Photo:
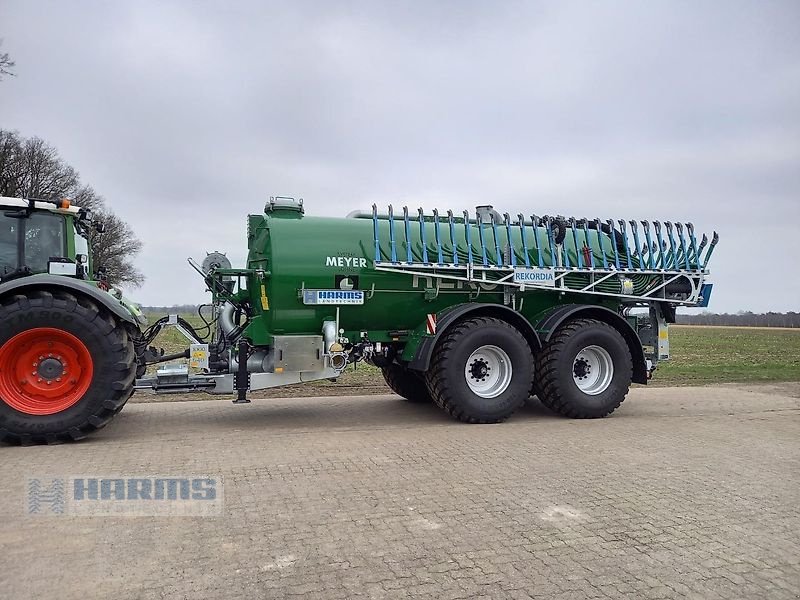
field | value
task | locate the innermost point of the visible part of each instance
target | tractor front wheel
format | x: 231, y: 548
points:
x: 66, y: 367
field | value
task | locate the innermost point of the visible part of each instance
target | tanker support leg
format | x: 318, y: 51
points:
x: 242, y: 376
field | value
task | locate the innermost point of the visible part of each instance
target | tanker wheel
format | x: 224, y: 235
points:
x: 481, y: 370
x: 66, y: 367
x: 406, y: 383
x: 585, y: 370
x: 534, y: 391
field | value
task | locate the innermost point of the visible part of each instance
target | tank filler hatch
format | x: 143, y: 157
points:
x: 284, y: 203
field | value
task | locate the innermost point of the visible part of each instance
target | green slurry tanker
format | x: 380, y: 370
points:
x: 473, y: 311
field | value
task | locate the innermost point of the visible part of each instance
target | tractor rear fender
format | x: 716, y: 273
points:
x: 45, y: 282
x: 421, y: 355
x: 552, y: 320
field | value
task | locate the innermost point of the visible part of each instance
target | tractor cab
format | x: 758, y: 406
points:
x: 42, y: 236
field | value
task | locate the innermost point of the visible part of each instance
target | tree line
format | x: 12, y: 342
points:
x: 31, y: 168
x: 743, y: 319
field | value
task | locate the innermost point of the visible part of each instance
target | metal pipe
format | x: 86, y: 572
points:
x: 679, y: 229
x: 498, y: 253
x: 650, y: 261
x: 422, y: 236
x: 614, y: 242
x: 672, y: 245
x: 703, y: 243
x: 391, y: 235
x: 375, y: 233
x: 586, y: 242
x: 551, y: 241
x: 467, y: 237
x: 657, y: 228
x: 578, y: 257
x: 624, y: 230
x: 637, y: 242
x: 480, y: 235
x: 407, y: 229
x: 600, y: 242
x: 561, y: 248
x: 521, y: 218
x: 535, y: 222
x: 693, y: 243
x: 168, y: 357
x: 227, y: 324
x: 453, y: 236
x: 512, y: 258
x: 438, y: 236
x: 711, y: 247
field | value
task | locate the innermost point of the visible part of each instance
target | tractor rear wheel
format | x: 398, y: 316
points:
x: 406, y: 383
x: 481, y: 370
x: 67, y: 367
x: 585, y: 370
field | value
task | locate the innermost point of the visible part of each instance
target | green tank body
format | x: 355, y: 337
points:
x: 299, y: 252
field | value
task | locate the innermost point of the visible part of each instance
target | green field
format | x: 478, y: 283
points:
x: 700, y: 356
x: 704, y: 355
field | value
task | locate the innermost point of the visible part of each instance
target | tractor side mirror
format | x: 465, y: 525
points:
x: 99, y: 227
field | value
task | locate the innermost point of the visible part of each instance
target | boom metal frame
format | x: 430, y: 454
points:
x: 661, y: 263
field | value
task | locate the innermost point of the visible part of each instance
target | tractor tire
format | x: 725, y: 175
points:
x: 585, y: 371
x: 481, y: 370
x: 407, y: 384
x: 67, y: 367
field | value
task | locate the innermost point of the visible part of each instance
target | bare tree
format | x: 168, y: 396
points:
x: 113, y: 248
x: 30, y: 168
x: 6, y: 64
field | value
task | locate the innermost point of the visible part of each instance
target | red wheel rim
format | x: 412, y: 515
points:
x: 44, y: 371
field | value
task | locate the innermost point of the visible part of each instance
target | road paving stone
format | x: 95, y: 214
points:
x: 683, y: 493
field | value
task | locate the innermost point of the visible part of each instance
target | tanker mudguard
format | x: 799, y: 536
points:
x: 422, y: 356
x: 46, y: 281
x: 552, y: 319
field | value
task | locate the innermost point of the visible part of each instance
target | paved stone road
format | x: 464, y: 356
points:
x: 683, y: 492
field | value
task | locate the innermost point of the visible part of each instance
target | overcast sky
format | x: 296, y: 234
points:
x: 187, y: 116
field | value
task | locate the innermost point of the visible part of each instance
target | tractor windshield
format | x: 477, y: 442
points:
x: 31, y: 242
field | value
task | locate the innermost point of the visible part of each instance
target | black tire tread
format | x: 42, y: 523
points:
x: 124, y: 362
x: 406, y: 385
x: 547, y: 370
x: 440, y: 393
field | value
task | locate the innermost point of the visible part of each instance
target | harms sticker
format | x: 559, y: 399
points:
x: 538, y: 276
x: 313, y: 297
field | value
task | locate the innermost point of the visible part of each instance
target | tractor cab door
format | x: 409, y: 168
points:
x: 31, y: 241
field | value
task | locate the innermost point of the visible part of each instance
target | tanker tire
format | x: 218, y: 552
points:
x: 446, y: 378
x: 113, y: 366
x: 405, y: 383
x: 535, y: 393
x: 555, y: 385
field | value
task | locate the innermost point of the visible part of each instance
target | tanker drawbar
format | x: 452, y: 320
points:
x: 475, y: 311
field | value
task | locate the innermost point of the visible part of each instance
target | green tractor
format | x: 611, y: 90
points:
x: 474, y: 312
x: 67, y: 357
